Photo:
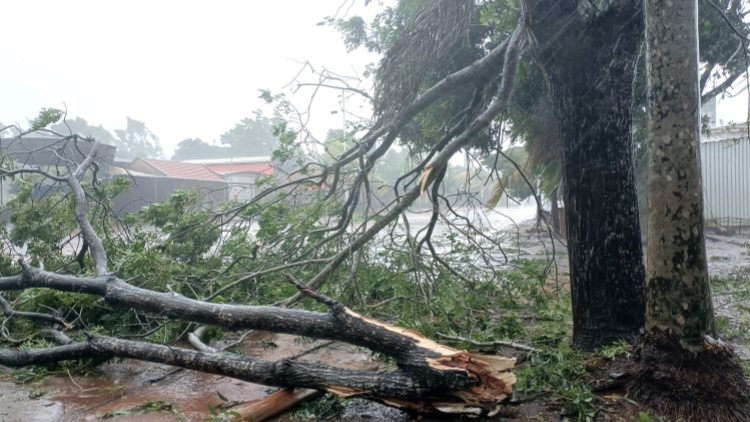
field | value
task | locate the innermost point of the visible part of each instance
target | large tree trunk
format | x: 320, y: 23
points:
x: 589, y: 63
x: 683, y: 371
x: 679, y: 293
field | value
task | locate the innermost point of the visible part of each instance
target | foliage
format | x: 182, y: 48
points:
x: 197, y: 149
x: 136, y: 140
x: 80, y: 125
x: 220, y: 413
x: 325, y: 407
x: 251, y: 137
x: 560, y: 371
x: 40, y: 224
x: 157, y: 407
x: 734, y: 293
x: 46, y: 117
x: 621, y: 348
x: 512, y: 182
x: 188, y: 229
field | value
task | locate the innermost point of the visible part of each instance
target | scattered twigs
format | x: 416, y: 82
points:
x: 496, y: 343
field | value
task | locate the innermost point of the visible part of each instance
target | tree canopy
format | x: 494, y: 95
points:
x: 136, y: 140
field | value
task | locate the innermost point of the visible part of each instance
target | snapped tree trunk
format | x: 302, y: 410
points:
x: 589, y: 63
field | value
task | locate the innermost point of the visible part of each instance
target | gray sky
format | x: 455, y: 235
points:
x: 185, y: 68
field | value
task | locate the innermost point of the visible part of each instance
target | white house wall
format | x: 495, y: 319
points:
x: 241, y: 186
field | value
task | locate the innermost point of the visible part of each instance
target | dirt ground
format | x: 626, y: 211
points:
x: 136, y: 391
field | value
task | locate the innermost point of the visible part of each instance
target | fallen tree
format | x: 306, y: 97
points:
x: 428, y: 377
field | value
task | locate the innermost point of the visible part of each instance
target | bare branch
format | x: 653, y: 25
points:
x: 489, y: 343
x: 332, y: 304
x: 81, y: 213
x: 721, y: 87
x: 10, y: 313
x: 513, y: 53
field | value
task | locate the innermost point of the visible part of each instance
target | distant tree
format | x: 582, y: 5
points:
x: 7, y: 131
x: 81, y: 126
x: 138, y: 141
x: 394, y: 164
x: 135, y: 141
x: 251, y: 137
x: 512, y: 181
x: 195, y: 148
x: 337, y: 143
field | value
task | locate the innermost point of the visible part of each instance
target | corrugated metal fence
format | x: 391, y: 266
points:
x: 726, y: 182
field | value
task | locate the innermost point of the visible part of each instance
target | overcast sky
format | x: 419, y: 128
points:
x: 188, y: 69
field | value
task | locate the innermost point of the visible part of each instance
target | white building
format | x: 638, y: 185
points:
x: 725, y: 167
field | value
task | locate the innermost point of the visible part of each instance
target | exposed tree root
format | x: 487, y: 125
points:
x: 707, y: 385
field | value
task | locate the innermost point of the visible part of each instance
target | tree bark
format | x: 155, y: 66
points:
x: 589, y: 62
x: 679, y: 293
x: 682, y: 370
x: 555, y: 209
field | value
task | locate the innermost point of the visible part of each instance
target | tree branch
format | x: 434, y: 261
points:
x: 9, y: 313
x: 512, y: 55
x: 81, y: 213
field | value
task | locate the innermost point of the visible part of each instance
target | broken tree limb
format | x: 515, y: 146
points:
x: 429, y: 377
x: 273, y: 405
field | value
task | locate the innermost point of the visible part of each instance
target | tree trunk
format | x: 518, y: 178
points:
x: 679, y: 293
x: 555, y: 209
x: 589, y: 63
x: 682, y: 370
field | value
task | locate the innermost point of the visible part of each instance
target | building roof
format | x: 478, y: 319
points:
x: 179, y: 170
x: 48, y: 150
x: 232, y: 160
x: 124, y: 171
x: 262, y: 168
x: 737, y: 132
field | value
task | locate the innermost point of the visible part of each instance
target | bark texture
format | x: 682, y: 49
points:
x: 682, y: 371
x: 679, y: 295
x: 589, y: 60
